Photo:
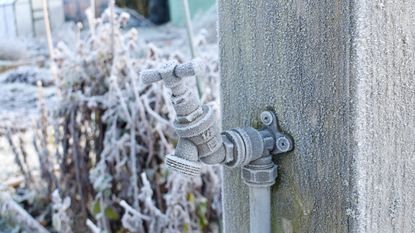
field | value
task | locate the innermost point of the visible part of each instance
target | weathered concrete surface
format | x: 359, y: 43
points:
x: 340, y: 76
x: 385, y: 115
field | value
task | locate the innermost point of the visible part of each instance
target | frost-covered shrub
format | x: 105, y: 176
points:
x: 111, y: 128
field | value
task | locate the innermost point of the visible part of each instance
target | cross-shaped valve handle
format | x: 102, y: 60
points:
x: 170, y: 72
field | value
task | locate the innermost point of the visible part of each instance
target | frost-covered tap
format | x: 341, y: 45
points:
x: 200, y: 138
x: 199, y: 134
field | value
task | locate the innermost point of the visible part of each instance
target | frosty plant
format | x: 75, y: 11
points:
x: 115, y: 128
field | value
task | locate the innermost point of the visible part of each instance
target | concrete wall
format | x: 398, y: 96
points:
x: 340, y: 76
x: 384, y: 66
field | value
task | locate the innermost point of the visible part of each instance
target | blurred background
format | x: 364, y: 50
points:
x: 82, y: 140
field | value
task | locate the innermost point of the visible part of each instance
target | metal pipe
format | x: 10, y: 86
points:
x: 260, y: 209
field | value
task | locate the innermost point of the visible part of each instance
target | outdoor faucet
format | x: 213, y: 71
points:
x: 201, y: 140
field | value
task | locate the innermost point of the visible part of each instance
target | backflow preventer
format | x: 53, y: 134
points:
x: 201, y: 142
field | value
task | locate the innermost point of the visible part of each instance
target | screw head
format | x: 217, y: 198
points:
x: 283, y: 144
x: 266, y: 118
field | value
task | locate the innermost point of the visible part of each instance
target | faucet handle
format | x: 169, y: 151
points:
x: 150, y: 76
x: 172, y: 70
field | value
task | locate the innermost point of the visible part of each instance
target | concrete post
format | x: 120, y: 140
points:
x: 340, y: 76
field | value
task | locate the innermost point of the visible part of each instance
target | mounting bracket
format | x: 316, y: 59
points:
x: 263, y: 171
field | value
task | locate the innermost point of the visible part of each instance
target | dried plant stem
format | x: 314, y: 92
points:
x: 17, y: 158
x: 189, y: 28
x: 46, y: 165
x: 93, y: 5
x: 111, y: 6
x: 190, y: 37
x: 130, y: 209
x: 154, y: 114
x: 122, y: 102
x: 76, y: 158
x: 10, y: 209
x: 133, y: 159
x: 57, y: 135
x: 47, y: 27
x: 24, y: 155
x: 92, y: 226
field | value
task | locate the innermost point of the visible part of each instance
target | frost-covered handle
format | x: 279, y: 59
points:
x: 150, y: 76
x: 179, y: 71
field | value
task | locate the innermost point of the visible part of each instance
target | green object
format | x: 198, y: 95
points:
x: 111, y: 214
x: 196, y: 6
x: 96, y: 208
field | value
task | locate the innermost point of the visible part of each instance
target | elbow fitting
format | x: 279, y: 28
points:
x: 247, y: 146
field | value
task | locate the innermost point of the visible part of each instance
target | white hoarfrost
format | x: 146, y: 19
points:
x: 105, y: 122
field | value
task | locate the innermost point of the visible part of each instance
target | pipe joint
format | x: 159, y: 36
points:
x: 262, y: 175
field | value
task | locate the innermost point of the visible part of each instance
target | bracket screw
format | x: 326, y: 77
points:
x: 283, y: 144
x: 266, y: 118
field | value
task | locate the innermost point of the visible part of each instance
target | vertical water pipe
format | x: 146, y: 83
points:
x: 260, y: 209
